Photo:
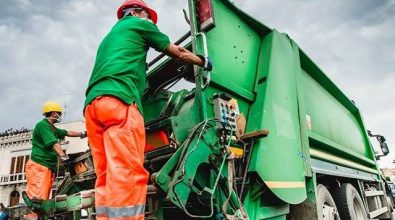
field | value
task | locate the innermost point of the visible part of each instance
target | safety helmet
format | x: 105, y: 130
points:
x: 52, y: 106
x: 140, y: 3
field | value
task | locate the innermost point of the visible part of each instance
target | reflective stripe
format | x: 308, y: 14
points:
x: 117, y: 212
x: 100, y: 211
x: 342, y: 161
x: 277, y: 184
x: 128, y: 211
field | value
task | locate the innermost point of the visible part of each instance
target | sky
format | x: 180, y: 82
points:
x: 47, y: 51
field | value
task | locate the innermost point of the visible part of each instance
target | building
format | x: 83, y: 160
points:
x: 15, y: 149
x: 389, y: 173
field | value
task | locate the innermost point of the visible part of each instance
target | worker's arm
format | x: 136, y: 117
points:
x: 183, y: 55
x: 58, y: 149
x: 76, y: 134
x: 187, y: 57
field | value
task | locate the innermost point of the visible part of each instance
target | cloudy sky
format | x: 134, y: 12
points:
x: 47, y: 50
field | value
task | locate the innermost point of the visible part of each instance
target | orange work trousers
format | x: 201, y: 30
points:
x: 116, y: 136
x: 39, y: 180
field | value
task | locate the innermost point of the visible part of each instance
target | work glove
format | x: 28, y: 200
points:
x: 66, y: 163
x: 83, y: 134
x: 65, y: 157
x: 207, y: 65
x: 66, y: 160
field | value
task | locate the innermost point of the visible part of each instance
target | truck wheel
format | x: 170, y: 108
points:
x: 350, y: 203
x: 390, y: 203
x: 326, y: 205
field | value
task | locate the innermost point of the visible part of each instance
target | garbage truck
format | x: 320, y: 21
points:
x: 264, y: 135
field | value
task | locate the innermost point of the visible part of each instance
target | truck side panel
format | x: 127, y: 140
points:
x: 333, y: 122
x: 276, y: 109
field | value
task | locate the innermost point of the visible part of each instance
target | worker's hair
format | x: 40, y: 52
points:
x: 48, y: 114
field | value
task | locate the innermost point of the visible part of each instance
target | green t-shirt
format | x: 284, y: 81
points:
x: 45, y: 135
x: 120, y: 66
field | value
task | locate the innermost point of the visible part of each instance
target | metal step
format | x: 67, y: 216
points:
x: 378, y: 212
x: 370, y: 193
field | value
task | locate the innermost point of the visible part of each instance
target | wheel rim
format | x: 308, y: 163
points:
x: 358, y: 210
x: 329, y: 212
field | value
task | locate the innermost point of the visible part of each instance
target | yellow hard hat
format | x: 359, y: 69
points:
x: 52, y: 106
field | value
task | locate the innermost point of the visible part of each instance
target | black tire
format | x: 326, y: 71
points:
x: 349, y: 203
x: 390, y: 203
x: 324, y: 198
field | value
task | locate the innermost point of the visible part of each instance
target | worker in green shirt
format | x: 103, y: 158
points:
x: 113, y: 109
x: 41, y: 167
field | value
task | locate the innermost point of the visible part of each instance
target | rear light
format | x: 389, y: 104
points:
x: 155, y: 140
x: 205, y: 14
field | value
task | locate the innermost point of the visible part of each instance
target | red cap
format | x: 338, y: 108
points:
x: 140, y: 3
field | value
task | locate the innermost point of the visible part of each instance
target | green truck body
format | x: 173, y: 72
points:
x: 315, y: 132
x: 265, y: 135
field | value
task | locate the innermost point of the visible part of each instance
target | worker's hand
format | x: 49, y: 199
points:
x: 83, y: 134
x: 207, y: 65
x: 65, y: 157
x: 66, y: 163
x: 66, y: 160
x: 182, y: 49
